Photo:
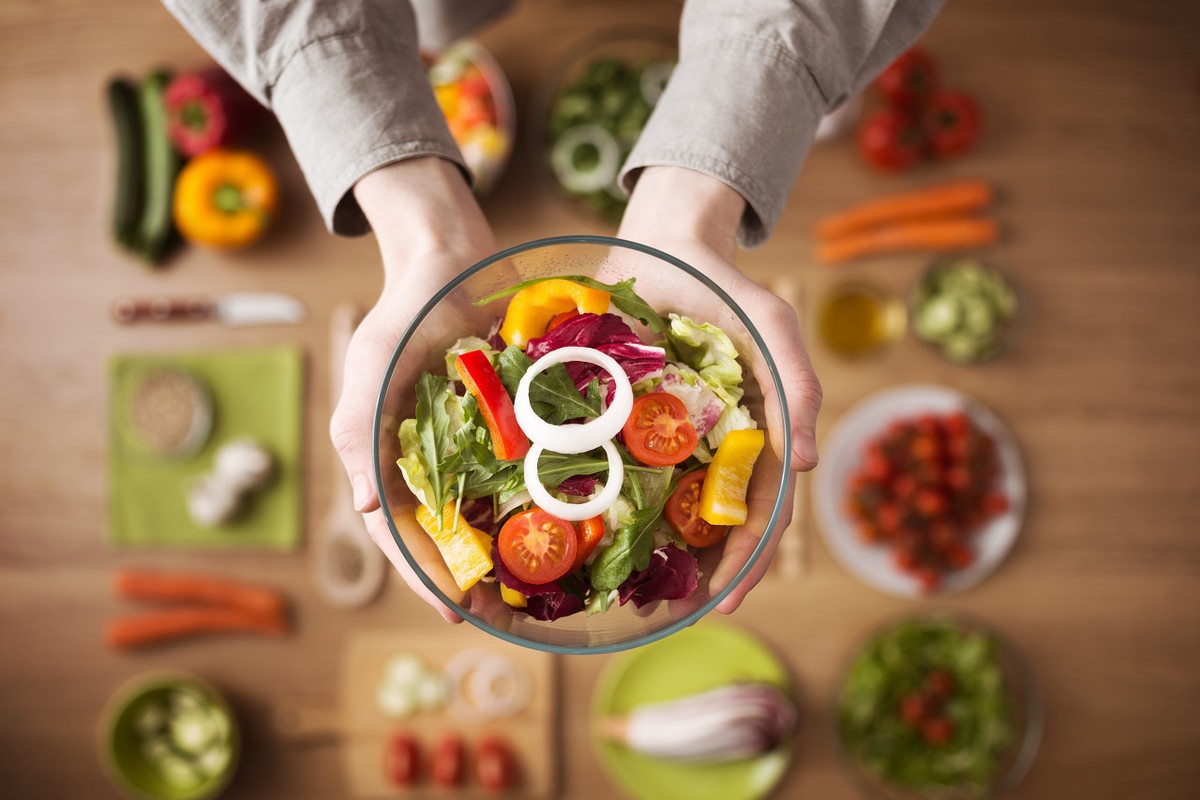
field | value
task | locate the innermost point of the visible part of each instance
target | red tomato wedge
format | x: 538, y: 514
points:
x: 658, y: 431
x: 508, y: 440
x: 683, y: 513
x: 537, y: 546
x: 590, y: 532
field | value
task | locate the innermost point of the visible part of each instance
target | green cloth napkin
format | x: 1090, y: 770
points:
x: 255, y: 393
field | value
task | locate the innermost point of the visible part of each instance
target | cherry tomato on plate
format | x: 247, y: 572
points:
x: 402, y: 760
x: 683, y: 512
x: 590, y: 532
x: 914, y: 75
x: 952, y: 123
x: 446, y: 761
x: 891, y: 139
x: 658, y: 431
x: 495, y: 764
x: 537, y: 546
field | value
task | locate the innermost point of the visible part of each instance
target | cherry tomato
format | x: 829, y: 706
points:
x: 890, y: 139
x: 658, y: 431
x: 951, y: 122
x: 537, y: 546
x: 683, y: 513
x: 911, y: 77
x: 912, y: 709
x: 402, y: 760
x: 939, y: 683
x: 589, y: 533
x: 446, y: 763
x: 495, y: 764
x: 937, y: 730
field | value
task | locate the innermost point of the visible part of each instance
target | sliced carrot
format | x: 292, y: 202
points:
x: 137, y: 584
x: 942, y: 200
x: 935, y: 235
x: 158, y: 627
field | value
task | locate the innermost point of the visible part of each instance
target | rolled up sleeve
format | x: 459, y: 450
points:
x: 345, y: 80
x: 753, y: 81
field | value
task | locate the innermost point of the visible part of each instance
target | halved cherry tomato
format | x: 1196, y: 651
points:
x: 658, y: 431
x: 508, y: 440
x: 537, y: 546
x: 446, y: 763
x: 590, y: 532
x: 683, y: 513
x: 495, y: 764
x: 401, y: 760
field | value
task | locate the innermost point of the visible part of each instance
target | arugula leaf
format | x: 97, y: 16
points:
x: 621, y: 294
x: 552, y: 394
x: 433, y: 424
x: 630, y: 551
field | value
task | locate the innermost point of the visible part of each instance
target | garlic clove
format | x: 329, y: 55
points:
x: 244, y: 462
x: 213, y: 500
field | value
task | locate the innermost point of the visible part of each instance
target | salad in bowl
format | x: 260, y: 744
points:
x: 562, y: 447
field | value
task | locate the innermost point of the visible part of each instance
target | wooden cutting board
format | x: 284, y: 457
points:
x: 531, y: 733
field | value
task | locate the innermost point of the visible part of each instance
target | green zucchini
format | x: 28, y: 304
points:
x: 128, y: 193
x: 160, y: 165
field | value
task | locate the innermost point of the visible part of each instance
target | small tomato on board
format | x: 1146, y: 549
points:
x: 683, y: 513
x: 658, y: 431
x: 402, y: 760
x: 952, y: 123
x: 495, y: 764
x: 446, y: 764
x: 537, y: 546
x: 891, y: 139
x: 914, y: 75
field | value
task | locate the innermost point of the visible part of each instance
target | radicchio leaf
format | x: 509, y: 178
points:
x: 607, y: 333
x: 671, y: 575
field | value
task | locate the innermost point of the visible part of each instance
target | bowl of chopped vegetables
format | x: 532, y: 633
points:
x: 169, y: 736
x: 963, y: 309
x: 579, y: 443
x: 938, y: 706
x: 592, y: 108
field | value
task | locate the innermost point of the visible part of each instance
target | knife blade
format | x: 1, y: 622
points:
x: 235, y: 308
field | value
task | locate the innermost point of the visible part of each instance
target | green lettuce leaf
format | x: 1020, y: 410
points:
x: 706, y: 349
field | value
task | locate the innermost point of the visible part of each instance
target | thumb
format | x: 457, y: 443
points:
x: 350, y: 431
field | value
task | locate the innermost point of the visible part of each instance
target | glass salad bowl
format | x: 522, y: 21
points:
x: 613, y: 600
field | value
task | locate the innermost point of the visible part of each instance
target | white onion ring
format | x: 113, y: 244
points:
x: 574, y: 512
x: 575, y: 437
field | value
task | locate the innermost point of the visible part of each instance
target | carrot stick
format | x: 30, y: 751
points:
x: 156, y: 627
x: 946, y: 199
x: 936, y: 235
x: 136, y: 584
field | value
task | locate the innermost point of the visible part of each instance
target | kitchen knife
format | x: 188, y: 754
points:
x: 237, y: 308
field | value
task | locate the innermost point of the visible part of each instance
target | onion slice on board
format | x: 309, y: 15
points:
x: 574, y: 512
x: 574, y: 437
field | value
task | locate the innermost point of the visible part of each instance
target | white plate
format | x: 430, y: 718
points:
x: 842, y: 454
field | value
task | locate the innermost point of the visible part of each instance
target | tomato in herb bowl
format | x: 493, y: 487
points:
x: 538, y: 547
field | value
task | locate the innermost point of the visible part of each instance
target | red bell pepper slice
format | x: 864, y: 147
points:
x: 508, y: 440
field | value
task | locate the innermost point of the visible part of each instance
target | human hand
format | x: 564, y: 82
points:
x: 695, y: 218
x: 429, y: 229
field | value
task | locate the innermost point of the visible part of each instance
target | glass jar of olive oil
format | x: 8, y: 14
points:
x: 857, y: 319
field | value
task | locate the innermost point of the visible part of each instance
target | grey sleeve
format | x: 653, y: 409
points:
x: 754, y: 79
x: 344, y: 78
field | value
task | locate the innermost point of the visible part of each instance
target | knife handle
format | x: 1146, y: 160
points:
x: 161, y: 309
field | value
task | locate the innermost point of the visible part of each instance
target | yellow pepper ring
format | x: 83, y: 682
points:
x: 225, y: 198
x: 532, y: 308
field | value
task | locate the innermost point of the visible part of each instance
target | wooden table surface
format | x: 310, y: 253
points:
x: 1093, y: 136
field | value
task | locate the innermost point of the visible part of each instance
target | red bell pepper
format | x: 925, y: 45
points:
x: 508, y: 440
x: 208, y: 109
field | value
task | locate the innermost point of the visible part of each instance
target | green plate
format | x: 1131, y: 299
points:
x: 253, y: 392
x: 696, y: 659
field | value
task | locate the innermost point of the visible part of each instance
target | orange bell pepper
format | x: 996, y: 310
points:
x: 531, y: 309
x: 225, y: 198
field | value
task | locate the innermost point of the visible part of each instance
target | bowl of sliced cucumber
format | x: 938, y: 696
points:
x: 963, y: 309
x: 169, y: 736
x: 592, y: 108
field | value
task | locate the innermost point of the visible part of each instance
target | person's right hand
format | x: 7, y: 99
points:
x: 429, y: 229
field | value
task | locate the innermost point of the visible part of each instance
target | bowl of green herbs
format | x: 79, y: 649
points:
x: 938, y: 707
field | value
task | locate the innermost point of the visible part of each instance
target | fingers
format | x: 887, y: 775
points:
x: 381, y: 534
x: 780, y: 329
x: 740, y: 544
x: 350, y: 427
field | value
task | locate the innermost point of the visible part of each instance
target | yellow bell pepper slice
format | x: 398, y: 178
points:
x: 513, y: 597
x: 723, y: 495
x: 467, y: 551
x: 531, y: 309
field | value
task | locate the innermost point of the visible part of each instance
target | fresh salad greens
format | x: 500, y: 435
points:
x: 641, y: 546
x: 925, y: 706
x: 594, y: 122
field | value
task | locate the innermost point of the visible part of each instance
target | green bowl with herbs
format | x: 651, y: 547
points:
x: 963, y: 309
x: 937, y: 707
x: 568, y: 523
x: 169, y: 736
